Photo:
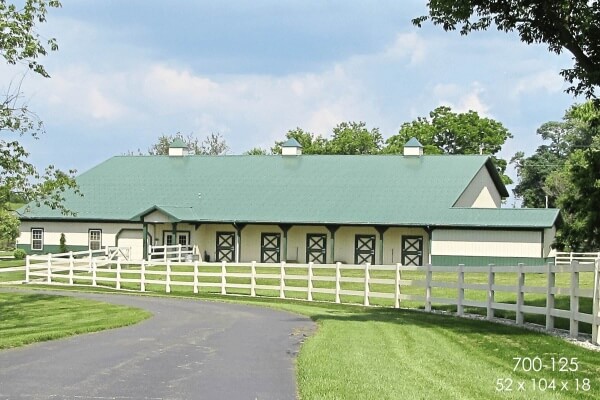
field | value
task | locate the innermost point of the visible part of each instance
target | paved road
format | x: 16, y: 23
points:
x: 190, y: 349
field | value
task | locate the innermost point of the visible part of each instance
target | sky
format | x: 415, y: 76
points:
x: 129, y: 71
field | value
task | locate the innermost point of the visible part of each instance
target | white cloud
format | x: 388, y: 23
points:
x: 462, y: 99
x: 546, y: 80
x: 409, y: 45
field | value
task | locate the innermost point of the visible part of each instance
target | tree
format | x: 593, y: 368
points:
x: 256, y: 151
x: 566, y: 168
x: 311, y: 144
x: 354, y: 138
x: 213, y: 145
x: 580, y: 199
x: 21, y: 44
x: 570, y: 25
x: 447, y: 132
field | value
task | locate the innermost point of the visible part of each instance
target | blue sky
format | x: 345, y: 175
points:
x: 128, y: 71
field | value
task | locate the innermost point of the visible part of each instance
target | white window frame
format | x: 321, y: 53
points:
x: 40, y: 239
x: 176, y: 238
x: 99, y: 240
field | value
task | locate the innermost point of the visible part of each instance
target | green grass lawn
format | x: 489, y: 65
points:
x: 11, y: 276
x: 29, y: 318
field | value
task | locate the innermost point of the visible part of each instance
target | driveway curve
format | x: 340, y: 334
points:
x: 189, y: 349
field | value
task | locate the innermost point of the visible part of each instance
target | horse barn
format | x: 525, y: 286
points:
x: 412, y: 209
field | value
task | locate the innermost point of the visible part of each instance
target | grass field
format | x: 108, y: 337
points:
x: 28, y: 318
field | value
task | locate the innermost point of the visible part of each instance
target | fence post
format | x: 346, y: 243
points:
x: 143, y: 276
x: 165, y: 253
x: 196, y: 277
x: 367, y: 279
x: 253, y: 279
x: 573, y: 321
x: 520, y: 296
x: 118, y: 285
x: 596, y: 304
x: 282, y: 281
x: 223, y: 278
x: 338, y: 277
x: 551, y: 282
x: 310, y: 284
x: 168, y: 281
x: 49, y: 277
x: 71, y: 266
x: 27, y: 269
x: 397, y: 288
x: 491, y: 294
x: 179, y: 252
x: 94, y: 277
x: 90, y: 266
x: 428, y: 277
x: 460, y: 309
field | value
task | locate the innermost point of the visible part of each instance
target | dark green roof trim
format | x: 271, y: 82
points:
x: 496, y: 178
x: 291, y: 142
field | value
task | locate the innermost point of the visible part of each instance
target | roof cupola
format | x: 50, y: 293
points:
x: 291, y: 147
x: 178, y: 148
x: 413, y: 148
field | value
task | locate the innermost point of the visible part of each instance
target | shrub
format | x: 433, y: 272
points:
x: 19, y: 254
x: 62, y: 248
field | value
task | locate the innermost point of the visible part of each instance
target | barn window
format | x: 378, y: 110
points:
x: 95, y: 239
x: 37, y: 239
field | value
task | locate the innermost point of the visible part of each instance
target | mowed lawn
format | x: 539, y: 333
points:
x: 29, y: 318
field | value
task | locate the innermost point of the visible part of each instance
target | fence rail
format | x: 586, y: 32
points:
x: 364, y: 284
x: 175, y: 252
x: 582, y: 258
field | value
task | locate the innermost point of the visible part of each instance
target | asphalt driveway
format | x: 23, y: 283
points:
x: 190, y: 349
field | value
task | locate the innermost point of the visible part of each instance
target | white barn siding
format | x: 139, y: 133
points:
x: 76, y: 233
x: 481, y: 192
x: 487, y: 243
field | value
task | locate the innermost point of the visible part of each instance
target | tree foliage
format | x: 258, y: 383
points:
x: 566, y: 168
x: 571, y: 25
x: 21, y: 44
x: 447, y: 132
x: 212, y: 145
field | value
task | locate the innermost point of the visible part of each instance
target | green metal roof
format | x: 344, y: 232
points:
x: 413, y: 142
x: 327, y: 189
x: 178, y: 144
x: 291, y: 142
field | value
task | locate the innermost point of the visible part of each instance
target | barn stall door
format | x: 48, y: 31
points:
x: 316, y: 248
x: 225, y: 246
x: 270, y: 244
x: 412, y: 250
x: 364, y: 249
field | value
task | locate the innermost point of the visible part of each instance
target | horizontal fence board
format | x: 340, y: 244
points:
x: 504, y: 306
x: 382, y: 281
x: 474, y: 303
x: 444, y: 300
x: 442, y: 284
x: 475, y: 286
x: 504, y: 288
x: 534, y: 289
x: 350, y: 292
x: 555, y: 312
x: 533, y: 310
x: 381, y: 295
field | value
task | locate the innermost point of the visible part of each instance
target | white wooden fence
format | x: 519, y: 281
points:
x: 582, y: 258
x: 176, y: 252
x: 345, y: 283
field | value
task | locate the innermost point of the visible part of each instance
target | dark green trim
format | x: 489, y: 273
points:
x: 144, y: 241
x: 50, y: 248
x: 479, y: 261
